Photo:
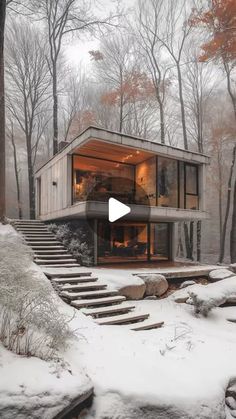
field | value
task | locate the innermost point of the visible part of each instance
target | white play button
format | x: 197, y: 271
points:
x: 117, y: 210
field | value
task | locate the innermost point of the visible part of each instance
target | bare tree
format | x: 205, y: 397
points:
x: 16, y: 169
x: 27, y: 94
x: 63, y: 18
x: 146, y: 34
x: 172, y: 30
x: 2, y: 112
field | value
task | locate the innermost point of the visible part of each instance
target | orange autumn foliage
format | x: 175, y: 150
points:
x: 136, y: 86
x: 220, y: 20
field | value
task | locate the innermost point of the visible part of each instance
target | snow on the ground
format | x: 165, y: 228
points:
x: 32, y: 388
x: 178, y: 371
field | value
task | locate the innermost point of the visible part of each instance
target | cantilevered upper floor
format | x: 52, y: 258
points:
x: 99, y: 164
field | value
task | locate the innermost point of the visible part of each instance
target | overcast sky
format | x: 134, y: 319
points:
x: 77, y: 52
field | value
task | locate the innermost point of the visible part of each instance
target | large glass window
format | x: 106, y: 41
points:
x: 146, y: 178
x: 121, y: 242
x: 191, y: 187
x: 167, y: 182
x: 100, y: 179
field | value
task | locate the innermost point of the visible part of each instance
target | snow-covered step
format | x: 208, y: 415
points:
x: 48, y: 252
x: 88, y: 294
x: 148, y: 325
x: 39, y: 236
x: 53, y: 261
x: 122, y: 319
x: 77, y: 280
x: 98, y: 301
x: 54, y: 256
x: 88, y: 286
x: 32, y: 230
x: 66, y: 265
x: 27, y: 222
x: 43, y: 242
x: 68, y: 275
x: 48, y: 247
x: 102, y: 311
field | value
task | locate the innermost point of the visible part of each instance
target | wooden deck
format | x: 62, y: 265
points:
x: 171, y: 270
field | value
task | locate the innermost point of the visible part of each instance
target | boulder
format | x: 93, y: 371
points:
x: 151, y: 297
x: 133, y: 292
x: 233, y: 267
x: 187, y: 284
x: 219, y: 274
x: 156, y: 284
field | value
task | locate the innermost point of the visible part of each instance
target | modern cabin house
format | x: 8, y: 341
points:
x: 161, y: 184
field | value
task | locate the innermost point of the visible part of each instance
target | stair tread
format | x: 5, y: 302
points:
x: 54, y: 256
x: 43, y: 242
x: 61, y: 281
x: 122, y: 318
x: 88, y: 285
x: 39, y: 247
x: 52, y: 260
x: 68, y: 275
x: 148, y: 325
x: 97, y: 301
x: 107, y: 310
x: 87, y: 294
x: 60, y: 266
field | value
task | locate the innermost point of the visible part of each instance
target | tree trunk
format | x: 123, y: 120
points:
x: 180, y: 251
x: 181, y: 99
x: 187, y: 242
x: 233, y: 230
x: 19, y: 204
x: 233, y: 226
x: 162, y: 118
x: 2, y: 113
x: 191, y: 235
x: 222, y: 245
x: 30, y: 180
x: 199, y: 238
x: 55, y: 108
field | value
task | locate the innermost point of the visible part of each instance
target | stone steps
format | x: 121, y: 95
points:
x: 53, y: 261
x: 88, y: 286
x: 103, y: 311
x: 122, y: 319
x: 66, y: 265
x: 94, y: 302
x: 73, y: 281
x: 67, y: 275
x: 55, y: 256
x: 78, y: 287
x: 88, y: 294
x: 148, y: 325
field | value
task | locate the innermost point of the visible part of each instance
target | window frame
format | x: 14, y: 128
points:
x: 186, y: 194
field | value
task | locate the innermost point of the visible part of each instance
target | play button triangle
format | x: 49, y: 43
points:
x: 117, y: 210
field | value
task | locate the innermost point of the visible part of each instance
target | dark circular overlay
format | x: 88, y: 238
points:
x: 100, y: 190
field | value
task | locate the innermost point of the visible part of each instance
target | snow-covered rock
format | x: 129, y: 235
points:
x: 156, y: 284
x: 187, y: 284
x: 233, y: 267
x: 219, y: 274
x: 207, y: 297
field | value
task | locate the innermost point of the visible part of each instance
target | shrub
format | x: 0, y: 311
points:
x: 75, y: 236
x: 30, y: 322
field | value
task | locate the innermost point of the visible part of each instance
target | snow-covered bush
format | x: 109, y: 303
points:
x: 206, y: 297
x: 30, y: 322
x: 76, y: 238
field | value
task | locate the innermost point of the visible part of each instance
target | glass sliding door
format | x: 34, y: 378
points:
x: 133, y: 242
x: 159, y: 241
x: 122, y: 242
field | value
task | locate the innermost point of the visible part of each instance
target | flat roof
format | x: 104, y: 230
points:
x: 95, y: 134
